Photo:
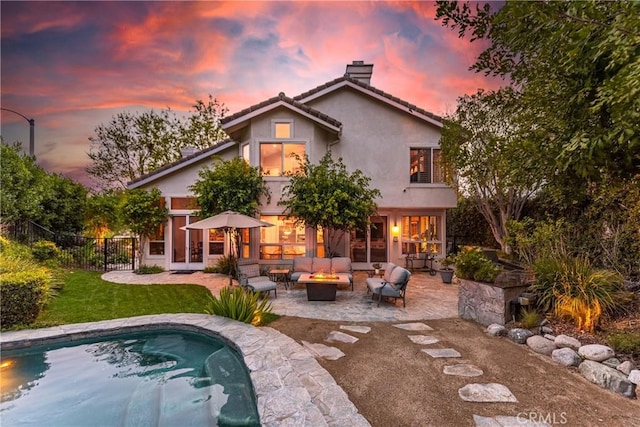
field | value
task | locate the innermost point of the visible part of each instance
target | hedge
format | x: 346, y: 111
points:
x: 23, y: 294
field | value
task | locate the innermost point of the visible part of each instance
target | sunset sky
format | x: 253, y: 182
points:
x: 71, y: 66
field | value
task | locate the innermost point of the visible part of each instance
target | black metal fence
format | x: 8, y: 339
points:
x: 87, y: 253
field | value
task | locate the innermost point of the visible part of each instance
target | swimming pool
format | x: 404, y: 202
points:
x: 160, y: 377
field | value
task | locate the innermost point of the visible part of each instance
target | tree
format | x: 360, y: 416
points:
x: 577, y: 64
x: 103, y: 213
x: 487, y: 144
x: 21, y: 184
x: 202, y: 129
x: 328, y: 196
x: 132, y: 145
x: 229, y: 185
x: 143, y: 213
x: 28, y: 192
x: 63, y: 205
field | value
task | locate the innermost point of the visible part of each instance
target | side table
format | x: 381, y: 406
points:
x: 280, y: 276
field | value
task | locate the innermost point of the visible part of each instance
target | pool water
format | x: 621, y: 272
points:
x: 161, y: 378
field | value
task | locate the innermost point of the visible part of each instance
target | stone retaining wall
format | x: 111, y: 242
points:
x: 488, y: 303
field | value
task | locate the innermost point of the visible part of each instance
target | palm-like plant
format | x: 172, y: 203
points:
x: 572, y: 287
x: 238, y: 304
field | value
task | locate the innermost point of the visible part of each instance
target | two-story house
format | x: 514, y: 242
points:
x: 393, y: 142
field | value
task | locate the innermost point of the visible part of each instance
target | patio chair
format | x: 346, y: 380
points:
x: 392, y: 285
x: 250, y: 278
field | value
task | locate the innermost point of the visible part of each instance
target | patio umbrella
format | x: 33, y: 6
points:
x: 229, y: 221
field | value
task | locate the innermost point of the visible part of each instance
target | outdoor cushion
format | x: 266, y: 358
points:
x: 341, y: 264
x: 387, y: 271
x: 302, y: 265
x: 321, y: 264
x: 397, y: 275
x: 252, y: 270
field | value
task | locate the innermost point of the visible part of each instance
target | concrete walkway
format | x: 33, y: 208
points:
x: 427, y: 297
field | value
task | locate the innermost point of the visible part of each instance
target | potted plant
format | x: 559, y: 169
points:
x: 376, y: 267
x: 446, y: 272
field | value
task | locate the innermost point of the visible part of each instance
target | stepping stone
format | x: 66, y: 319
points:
x: 490, y: 392
x: 335, y: 336
x: 441, y: 352
x: 463, y: 370
x: 355, y: 328
x: 522, y: 421
x: 423, y: 339
x: 485, y: 421
x: 323, y: 351
x: 414, y: 326
x: 503, y: 421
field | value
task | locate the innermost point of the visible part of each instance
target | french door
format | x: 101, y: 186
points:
x: 187, y: 245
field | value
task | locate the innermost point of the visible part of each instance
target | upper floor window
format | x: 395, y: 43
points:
x: 282, y: 130
x: 279, y: 158
x: 425, y: 166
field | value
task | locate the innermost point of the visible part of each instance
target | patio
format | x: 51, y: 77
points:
x: 427, y: 297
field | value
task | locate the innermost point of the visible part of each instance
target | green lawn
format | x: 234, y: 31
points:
x: 87, y: 298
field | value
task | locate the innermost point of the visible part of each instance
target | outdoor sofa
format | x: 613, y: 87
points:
x: 337, y: 265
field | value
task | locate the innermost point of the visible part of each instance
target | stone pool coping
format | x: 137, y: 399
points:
x: 291, y: 387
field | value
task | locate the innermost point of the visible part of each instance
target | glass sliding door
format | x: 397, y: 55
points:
x: 187, y: 245
x: 371, y: 247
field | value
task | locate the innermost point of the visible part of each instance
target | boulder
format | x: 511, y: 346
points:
x: 496, y: 330
x: 596, y: 352
x: 550, y: 337
x: 566, y: 356
x: 625, y: 367
x: 519, y: 335
x: 612, y: 363
x: 541, y: 345
x: 546, y: 330
x: 634, y: 376
x: 608, y: 378
x: 562, y: 341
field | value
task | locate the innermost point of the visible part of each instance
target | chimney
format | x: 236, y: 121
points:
x: 360, y: 71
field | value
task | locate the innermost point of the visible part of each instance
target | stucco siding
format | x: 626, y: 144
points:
x: 376, y: 139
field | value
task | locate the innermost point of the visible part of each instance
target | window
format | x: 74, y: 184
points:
x: 421, y: 234
x: 186, y: 203
x: 425, y: 166
x: 216, y: 241
x: 156, y: 242
x: 285, y: 240
x: 278, y: 158
x: 282, y: 130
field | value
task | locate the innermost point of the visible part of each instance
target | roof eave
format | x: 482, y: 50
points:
x: 240, y: 122
x: 162, y: 172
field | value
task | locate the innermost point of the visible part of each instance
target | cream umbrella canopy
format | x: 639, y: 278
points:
x: 229, y: 221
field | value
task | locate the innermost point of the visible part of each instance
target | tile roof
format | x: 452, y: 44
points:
x: 282, y: 97
x: 201, y: 153
x: 369, y: 88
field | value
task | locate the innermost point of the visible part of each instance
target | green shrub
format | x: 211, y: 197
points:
x: 240, y: 305
x: 572, y: 287
x: 210, y: 269
x: 227, y: 265
x: 23, y: 294
x: 45, y: 250
x: 148, y: 269
x: 627, y: 342
x: 529, y: 319
x: 472, y: 264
